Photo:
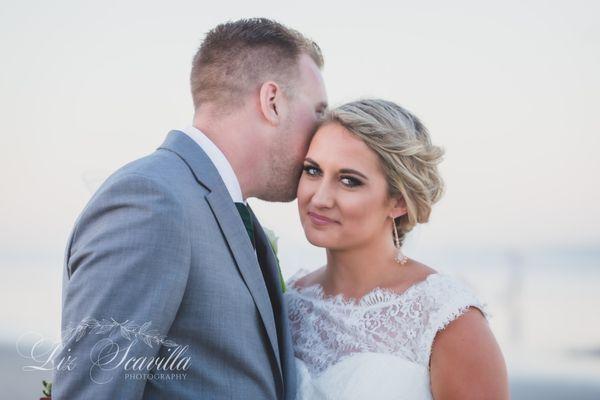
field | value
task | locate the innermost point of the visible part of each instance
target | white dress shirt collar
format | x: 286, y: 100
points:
x: 219, y: 160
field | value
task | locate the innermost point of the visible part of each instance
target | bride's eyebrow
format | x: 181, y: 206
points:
x: 310, y: 160
x: 352, y: 171
x: 342, y: 171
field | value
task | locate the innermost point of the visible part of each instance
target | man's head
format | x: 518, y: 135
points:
x: 260, y: 83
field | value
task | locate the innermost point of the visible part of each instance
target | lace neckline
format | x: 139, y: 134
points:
x: 376, y: 297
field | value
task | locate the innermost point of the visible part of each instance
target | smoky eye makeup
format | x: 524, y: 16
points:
x: 311, y: 170
x: 351, y: 181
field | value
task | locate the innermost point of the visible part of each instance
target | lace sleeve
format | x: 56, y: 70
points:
x: 451, y: 299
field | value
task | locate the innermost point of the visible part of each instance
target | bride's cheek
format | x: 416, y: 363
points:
x: 303, y: 193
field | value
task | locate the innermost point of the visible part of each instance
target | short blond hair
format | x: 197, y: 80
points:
x: 409, y: 159
x: 237, y: 56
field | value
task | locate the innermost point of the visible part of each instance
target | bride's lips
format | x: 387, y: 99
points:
x: 318, y: 219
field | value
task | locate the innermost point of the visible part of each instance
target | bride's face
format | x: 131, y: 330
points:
x: 343, y: 193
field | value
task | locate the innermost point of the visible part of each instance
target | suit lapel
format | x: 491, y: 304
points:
x: 267, y: 256
x: 231, y: 225
x: 237, y: 238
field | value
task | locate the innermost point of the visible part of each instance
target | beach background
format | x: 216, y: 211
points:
x: 508, y: 89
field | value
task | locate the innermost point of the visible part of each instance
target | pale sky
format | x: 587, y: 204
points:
x: 509, y: 89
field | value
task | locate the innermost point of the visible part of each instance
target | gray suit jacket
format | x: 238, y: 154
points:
x: 161, y: 242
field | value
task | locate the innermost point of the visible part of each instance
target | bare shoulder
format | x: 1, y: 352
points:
x: 410, y: 274
x: 419, y: 270
x: 466, y: 361
x: 311, y: 278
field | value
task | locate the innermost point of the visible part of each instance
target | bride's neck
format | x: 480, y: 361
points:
x: 356, y: 271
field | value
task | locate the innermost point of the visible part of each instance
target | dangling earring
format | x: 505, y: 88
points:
x: 400, y: 257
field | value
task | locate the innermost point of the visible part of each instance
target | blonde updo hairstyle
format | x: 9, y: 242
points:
x: 404, y: 147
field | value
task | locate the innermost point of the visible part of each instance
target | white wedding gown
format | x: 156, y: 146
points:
x: 376, y: 348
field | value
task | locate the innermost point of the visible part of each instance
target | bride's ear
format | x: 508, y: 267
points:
x: 398, y: 207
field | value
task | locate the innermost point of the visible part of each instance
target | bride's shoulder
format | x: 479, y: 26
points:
x: 462, y: 344
x: 413, y: 274
x: 446, y: 298
x: 305, y: 278
x: 443, y: 297
x: 417, y: 271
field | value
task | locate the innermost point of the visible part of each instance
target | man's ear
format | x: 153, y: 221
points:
x: 398, y: 207
x: 270, y: 102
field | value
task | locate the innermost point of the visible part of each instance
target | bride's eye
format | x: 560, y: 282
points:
x: 311, y: 170
x: 350, y: 181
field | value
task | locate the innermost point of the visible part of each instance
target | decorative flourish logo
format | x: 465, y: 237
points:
x: 128, y: 330
x: 116, y: 348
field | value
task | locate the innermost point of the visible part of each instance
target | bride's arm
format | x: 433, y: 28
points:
x: 466, y: 361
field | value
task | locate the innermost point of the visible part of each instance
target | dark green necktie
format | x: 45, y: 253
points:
x: 244, y: 211
x: 245, y: 214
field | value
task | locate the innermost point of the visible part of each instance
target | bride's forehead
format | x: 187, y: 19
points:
x: 340, y: 148
x: 335, y: 138
x: 333, y: 131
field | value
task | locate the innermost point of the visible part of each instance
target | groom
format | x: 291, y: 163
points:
x: 171, y: 289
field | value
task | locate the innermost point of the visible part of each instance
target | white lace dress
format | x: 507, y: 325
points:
x: 376, y: 348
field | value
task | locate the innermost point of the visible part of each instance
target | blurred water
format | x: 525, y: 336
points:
x: 544, y: 306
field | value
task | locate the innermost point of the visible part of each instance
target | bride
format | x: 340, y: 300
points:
x: 373, y: 323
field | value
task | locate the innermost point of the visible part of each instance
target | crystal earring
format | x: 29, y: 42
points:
x: 400, y: 257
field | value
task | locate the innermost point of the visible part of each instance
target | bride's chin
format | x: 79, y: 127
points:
x: 317, y: 243
x: 318, y: 239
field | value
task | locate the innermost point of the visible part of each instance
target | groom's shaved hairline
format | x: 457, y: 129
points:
x: 237, y: 57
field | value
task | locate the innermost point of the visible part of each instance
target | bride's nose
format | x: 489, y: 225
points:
x: 323, y: 195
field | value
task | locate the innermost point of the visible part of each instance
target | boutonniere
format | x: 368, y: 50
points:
x: 273, y: 242
x: 47, y: 391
